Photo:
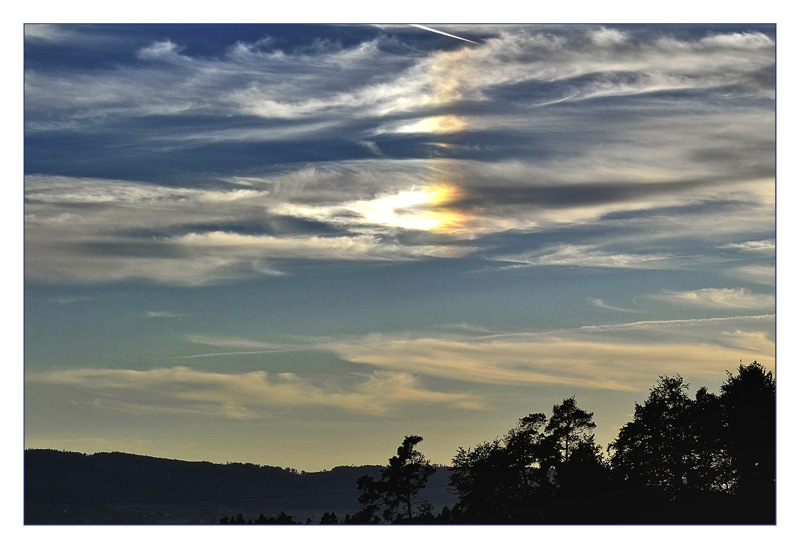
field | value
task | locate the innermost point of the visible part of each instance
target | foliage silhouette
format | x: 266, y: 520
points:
x: 710, y: 459
x: 537, y: 465
x: 328, y: 518
x: 749, y: 400
x: 400, y: 482
x: 495, y: 478
x: 282, y: 518
x: 657, y: 448
x: 568, y: 426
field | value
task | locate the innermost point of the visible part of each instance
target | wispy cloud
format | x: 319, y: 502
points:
x: 86, y: 229
x: 163, y: 314
x: 760, y: 274
x: 597, y: 302
x: 678, y: 324
x: 604, y: 63
x: 95, y: 229
x: 605, y: 37
x: 70, y: 35
x: 658, y: 169
x: 617, y: 357
x: 50, y: 33
x: 372, y: 147
x: 165, y: 49
x: 585, y: 256
x: 244, y: 396
x: 70, y: 300
x: 358, y: 248
x: 719, y: 298
x: 243, y: 346
x: 766, y: 246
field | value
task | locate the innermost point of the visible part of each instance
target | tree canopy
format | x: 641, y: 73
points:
x: 395, y: 493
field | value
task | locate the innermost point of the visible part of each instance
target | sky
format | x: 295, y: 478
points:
x: 293, y: 245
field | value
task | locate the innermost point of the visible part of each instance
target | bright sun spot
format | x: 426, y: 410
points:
x: 414, y: 209
x: 435, y: 124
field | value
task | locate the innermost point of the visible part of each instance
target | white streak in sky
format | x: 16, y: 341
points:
x: 444, y: 33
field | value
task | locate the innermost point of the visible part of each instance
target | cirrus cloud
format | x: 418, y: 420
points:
x: 719, y: 298
x: 247, y: 395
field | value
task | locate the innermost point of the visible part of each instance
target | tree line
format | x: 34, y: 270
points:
x: 707, y: 459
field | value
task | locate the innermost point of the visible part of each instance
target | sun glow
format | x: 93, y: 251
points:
x: 424, y: 209
x: 435, y: 124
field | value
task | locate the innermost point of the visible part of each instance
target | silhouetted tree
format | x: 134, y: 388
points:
x: 328, y: 518
x: 678, y: 446
x: 283, y: 518
x: 445, y: 516
x: 712, y: 470
x: 748, y: 401
x: 370, y: 498
x: 569, y: 426
x: 496, y: 479
x: 485, y: 482
x: 401, y: 481
x: 424, y: 514
x: 655, y: 449
x: 585, y: 473
x: 364, y: 516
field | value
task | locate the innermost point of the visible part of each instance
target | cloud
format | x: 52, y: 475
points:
x: 719, y: 298
x: 760, y: 274
x: 573, y: 255
x: 605, y: 37
x: 162, y: 314
x: 250, y: 347
x: 70, y: 300
x: 524, y: 145
x: 749, y: 341
x: 165, y: 50
x: 603, y: 305
x: 348, y: 248
x: 758, y: 246
x: 98, y: 229
x: 95, y: 230
x: 737, y: 41
x: 372, y: 147
x: 206, y: 258
x: 50, y: 33
x: 244, y: 395
x: 616, y: 357
x: 384, y: 76
x: 677, y: 324
x: 53, y: 263
x: 238, y: 343
x: 600, y: 67
x: 623, y: 357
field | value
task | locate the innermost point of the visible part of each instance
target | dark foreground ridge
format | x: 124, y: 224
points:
x: 710, y: 459
x: 117, y: 488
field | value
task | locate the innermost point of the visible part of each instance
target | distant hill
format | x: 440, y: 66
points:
x: 117, y: 488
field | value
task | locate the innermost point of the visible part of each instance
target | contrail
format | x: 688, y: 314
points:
x: 440, y: 32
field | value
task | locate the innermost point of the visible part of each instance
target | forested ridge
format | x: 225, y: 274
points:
x: 709, y: 458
